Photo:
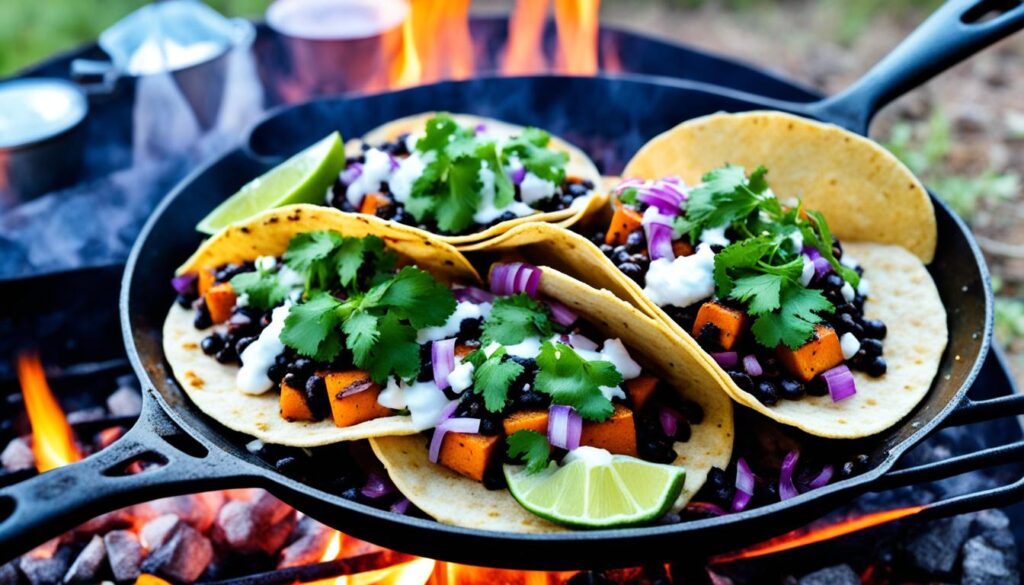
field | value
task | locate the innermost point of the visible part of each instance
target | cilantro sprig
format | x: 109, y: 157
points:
x: 515, y: 318
x: 569, y: 379
x: 531, y: 448
x: 531, y: 149
x: 262, y: 288
x: 492, y: 377
x: 327, y: 259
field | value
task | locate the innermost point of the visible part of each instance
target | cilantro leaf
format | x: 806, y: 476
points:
x: 531, y: 448
x: 824, y: 245
x: 307, y: 253
x: 492, y: 379
x: 504, y: 190
x: 396, y: 351
x: 726, y: 197
x: 742, y: 254
x: 794, y: 323
x: 361, y: 334
x: 263, y: 289
x: 440, y: 131
x: 424, y: 301
x: 569, y: 379
x: 628, y: 196
x: 312, y: 328
x: 515, y: 318
x: 531, y: 148
x: 459, y: 199
x: 762, y: 292
x: 476, y: 357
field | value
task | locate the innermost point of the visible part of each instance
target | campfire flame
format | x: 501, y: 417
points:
x: 53, y: 441
x: 524, y: 53
x: 804, y: 536
x: 577, y: 22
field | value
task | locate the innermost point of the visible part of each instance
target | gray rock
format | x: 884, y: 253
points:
x: 199, y: 510
x: 308, y: 543
x: 937, y: 549
x: 156, y: 532
x: 182, y: 558
x: 125, y: 554
x: 88, y: 563
x: 125, y: 402
x: 43, y: 569
x: 990, y: 521
x: 17, y: 455
x: 838, y: 575
x: 260, y: 525
x: 986, y: 563
x: 9, y: 574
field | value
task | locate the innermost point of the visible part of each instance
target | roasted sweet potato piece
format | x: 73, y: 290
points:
x: 624, y: 222
x: 681, y: 248
x: 467, y: 453
x: 731, y: 323
x: 617, y: 434
x: 353, y: 398
x: 814, y: 357
x: 639, y: 389
x: 527, y: 420
x: 205, y: 281
x: 220, y: 299
x: 462, y: 350
x: 372, y: 202
x: 293, y: 404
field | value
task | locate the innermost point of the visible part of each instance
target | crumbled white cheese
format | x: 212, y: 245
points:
x: 265, y: 263
x: 715, y: 236
x: 528, y: 348
x: 682, y: 281
x: 848, y: 293
x: 260, y: 355
x: 849, y: 343
x: 464, y: 310
x: 592, y: 456
x: 376, y: 170
x: 409, y: 169
x: 864, y: 287
x: 461, y: 377
x: 487, y: 211
x: 534, y: 189
x: 424, y: 401
x: 807, y: 274
x: 615, y: 352
x: 242, y: 300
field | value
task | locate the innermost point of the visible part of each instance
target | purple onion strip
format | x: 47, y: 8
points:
x: 751, y: 366
x: 442, y: 356
x: 564, y: 427
x: 786, y: 488
x: 726, y: 359
x: 454, y: 425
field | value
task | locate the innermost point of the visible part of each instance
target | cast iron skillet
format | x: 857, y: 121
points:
x: 201, y: 455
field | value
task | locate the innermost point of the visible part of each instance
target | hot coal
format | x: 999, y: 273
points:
x: 17, y: 455
x: 125, y: 554
x: 306, y: 545
x: 89, y: 563
x: 40, y: 568
x: 838, y: 575
x: 182, y: 557
x: 199, y: 510
x: 125, y: 401
x: 936, y: 549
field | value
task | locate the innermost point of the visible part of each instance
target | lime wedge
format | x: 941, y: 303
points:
x: 595, y: 489
x: 304, y: 178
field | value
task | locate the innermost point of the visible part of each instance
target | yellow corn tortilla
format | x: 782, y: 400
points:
x: 211, y: 385
x: 865, y: 192
x: 579, y: 165
x: 453, y: 499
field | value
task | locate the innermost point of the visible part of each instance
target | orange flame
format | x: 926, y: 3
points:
x: 440, y: 37
x: 408, y: 70
x: 467, y: 575
x: 803, y: 537
x: 524, y: 53
x: 53, y: 441
x: 577, y: 22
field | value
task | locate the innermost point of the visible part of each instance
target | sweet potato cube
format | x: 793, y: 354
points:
x: 617, y: 434
x: 205, y: 281
x: 468, y: 453
x: 353, y: 398
x: 293, y: 404
x: 372, y: 202
x: 220, y: 299
x: 730, y: 322
x: 527, y: 420
x: 462, y: 350
x: 681, y: 248
x: 639, y: 389
x: 624, y: 222
x: 814, y: 357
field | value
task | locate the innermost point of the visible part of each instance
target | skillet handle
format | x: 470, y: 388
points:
x: 957, y: 30
x: 40, y: 508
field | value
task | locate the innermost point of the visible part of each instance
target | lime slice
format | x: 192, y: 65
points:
x: 595, y: 489
x: 304, y: 178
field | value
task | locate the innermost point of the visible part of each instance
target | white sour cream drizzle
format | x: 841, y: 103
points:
x: 487, y: 211
x: 534, y: 189
x: 683, y: 281
x: 461, y: 377
x: 464, y: 310
x: 259, y: 356
x: 376, y: 170
x: 424, y: 401
x: 592, y: 456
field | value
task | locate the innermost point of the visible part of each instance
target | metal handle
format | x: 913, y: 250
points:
x: 48, y: 504
x: 957, y: 30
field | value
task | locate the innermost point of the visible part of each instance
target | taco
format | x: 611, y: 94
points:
x: 660, y: 405
x: 788, y: 253
x: 437, y: 172
x: 305, y: 326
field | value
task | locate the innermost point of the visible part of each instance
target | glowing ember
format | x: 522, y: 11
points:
x: 577, y: 22
x: 524, y: 53
x: 804, y: 537
x: 53, y: 441
x: 333, y: 548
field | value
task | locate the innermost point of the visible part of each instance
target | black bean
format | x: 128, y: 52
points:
x: 620, y: 255
x: 871, y: 347
x: 202, y: 319
x: 292, y: 380
x: 577, y: 189
x: 316, y: 396
x: 770, y: 366
x: 226, y: 355
x: 790, y: 389
x: 817, y: 387
x: 876, y: 367
x: 567, y: 199
x: 847, y: 469
x: 287, y: 464
x: 861, y: 461
x: 490, y: 427
x: 531, y: 399
x: 635, y: 242
x: 631, y: 270
x: 426, y: 364
x: 507, y: 216
x: 874, y: 328
x: 184, y: 300
x: 606, y: 249
x: 708, y: 337
x: 656, y: 450
x: 742, y: 380
x: 276, y: 372
x: 302, y: 367
x: 837, y: 249
x: 848, y: 308
x: 832, y: 282
x: 693, y: 412
x: 243, y: 343
x: 767, y: 392
x: 211, y: 344
x: 469, y: 329
x: 386, y: 211
x: 682, y: 431
x: 847, y: 323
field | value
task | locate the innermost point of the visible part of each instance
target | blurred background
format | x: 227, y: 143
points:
x: 963, y: 133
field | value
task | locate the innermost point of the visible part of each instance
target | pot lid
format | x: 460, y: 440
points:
x: 36, y: 109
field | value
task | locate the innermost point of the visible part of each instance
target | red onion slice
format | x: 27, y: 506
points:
x: 401, y: 506
x: 185, y: 284
x: 664, y: 194
x: 669, y: 420
x: 659, y: 241
x: 822, y: 479
x: 472, y: 293
x: 454, y: 425
x: 448, y: 410
x: 811, y: 252
x: 351, y: 173
x: 744, y: 485
x: 786, y: 488
x: 840, y: 382
x: 726, y: 359
x: 751, y: 366
x: 564, y: 427
x: 442, y: 356
x: 377, y: 485
x: 517, y: 277
x: 821, y: 267
x: 518, y: 175
x: 561, y: 314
